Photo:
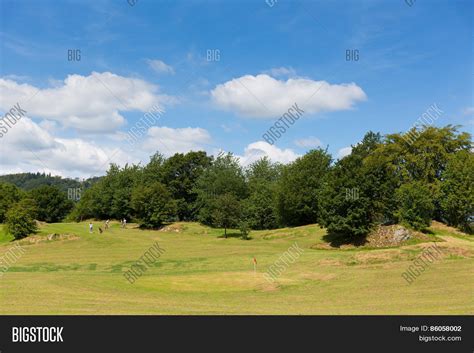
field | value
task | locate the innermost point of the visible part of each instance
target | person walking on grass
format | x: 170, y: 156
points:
x: 106, y: 224
x: 91, y: 227
x: 124, y: 223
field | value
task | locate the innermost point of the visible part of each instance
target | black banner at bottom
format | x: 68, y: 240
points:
x: 249, y: 333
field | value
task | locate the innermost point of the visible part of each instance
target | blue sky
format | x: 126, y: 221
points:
x: 155, y: 53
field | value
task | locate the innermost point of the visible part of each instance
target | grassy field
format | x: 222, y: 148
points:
x: 200, y: 272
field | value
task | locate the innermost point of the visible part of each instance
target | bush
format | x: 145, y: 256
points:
x: 415, y: 205
x: 244, y: 229
x: 19, y: 222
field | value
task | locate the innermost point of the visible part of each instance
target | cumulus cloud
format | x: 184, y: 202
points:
x: 260, y: 149
x: 308, y: 142
x: 343, y: 152
x: 29, y: 147
x: 160, y: 67
x: 263, y: 96
x: 86, y: 103
x: 181, y: 140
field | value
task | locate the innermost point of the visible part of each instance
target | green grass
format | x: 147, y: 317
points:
x: 202, y: 273
x: 4, y: 237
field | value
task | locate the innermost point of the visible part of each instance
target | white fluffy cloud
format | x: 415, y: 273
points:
x: 308, y: 142
x: 160, y: 67
x: 260, y: 149
x: 345, y: 151
x: 263, y: 96
x: 29, y: 147
x: 86, y: 103
x: 181, y: 140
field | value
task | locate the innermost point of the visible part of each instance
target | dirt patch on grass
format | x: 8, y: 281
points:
x: 318, y: 276
x: 174, y: 228
x: 330, y: 262
x: 322, y: 246
x: 268, y: 287
x: 40, y: 224
x: 435, y: 225
x: 35, y: 239
x: 449, y: 247
x: 275, y: 235
x: 367, y: 258
x: 456, y: 252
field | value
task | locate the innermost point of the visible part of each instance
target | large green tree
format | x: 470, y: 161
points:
x: 259, y: 209
x: 53, y: 204
x: 224, y: 176
x: 180, y: 173
x: 457, y: 190
x: 298, y: 188
x: 357, y: 192
x: 422, y: 155
x: 226, y: 214
x: 9, y: 195
x: 111, y: 196
x: 153, y: 205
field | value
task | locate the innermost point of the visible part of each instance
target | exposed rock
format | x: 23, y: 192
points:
x: 176, y: 228
x: 401, y: 234
x: 35, y: 239
x: 392, y: 235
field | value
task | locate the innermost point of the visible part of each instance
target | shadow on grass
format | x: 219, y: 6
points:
x: 231, y: 235
x: 336, y: 240
x: 428, y: 231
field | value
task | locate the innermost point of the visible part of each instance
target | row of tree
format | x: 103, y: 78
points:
x: 30, y: 181
x: 19, y: 209
x: 390, y: 179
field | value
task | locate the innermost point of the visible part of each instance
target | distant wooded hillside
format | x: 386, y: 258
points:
x: 30, y: 181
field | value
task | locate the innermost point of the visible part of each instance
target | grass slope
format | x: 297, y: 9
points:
x: 203, y: 273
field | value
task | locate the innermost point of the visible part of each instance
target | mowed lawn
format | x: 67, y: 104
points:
x: 200, y: 272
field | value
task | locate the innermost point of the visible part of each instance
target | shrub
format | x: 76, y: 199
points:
x: 244, y: 229
x: 415, y: 205
x: 19, y: 222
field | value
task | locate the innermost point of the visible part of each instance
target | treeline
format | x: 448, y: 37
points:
x: 30, y: 181
x: 19, y: 209
x: 389, y: 179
